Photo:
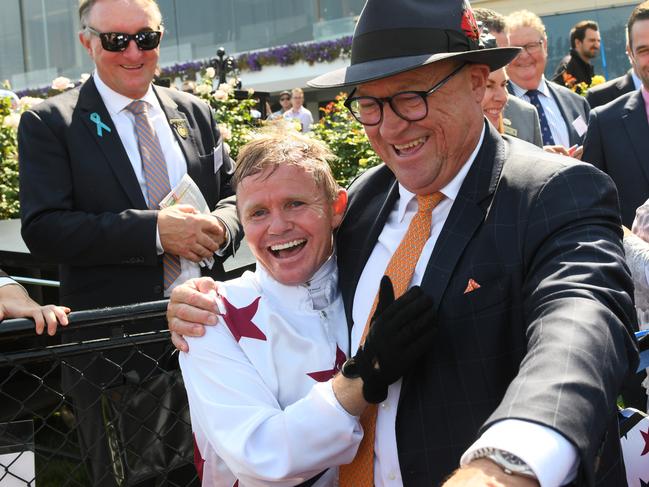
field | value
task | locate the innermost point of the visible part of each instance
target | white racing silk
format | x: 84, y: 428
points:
x: 259, y: 384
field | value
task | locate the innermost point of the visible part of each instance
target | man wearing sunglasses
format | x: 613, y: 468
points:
x: 94, y: 164
x: 520, y: 250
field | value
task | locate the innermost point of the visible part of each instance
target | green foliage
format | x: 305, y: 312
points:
x: 233, y: 116
x: 346, y: 139
x: 337, y: 128
x: 9, y: 206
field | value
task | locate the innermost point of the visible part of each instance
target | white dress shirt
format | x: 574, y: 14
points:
x: 124, y: 122
x: 262, y: 406
x: 5, y: 281
x: 558, y: 126
x: 549, y: 455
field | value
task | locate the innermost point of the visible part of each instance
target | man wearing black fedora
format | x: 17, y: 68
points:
x: 520, y: 250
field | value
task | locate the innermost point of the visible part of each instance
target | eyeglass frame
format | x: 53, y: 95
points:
x: 129, y: 38
x: 527, y: 47
x: 381, y: 101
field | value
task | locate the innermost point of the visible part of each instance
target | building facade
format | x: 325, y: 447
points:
x: 39, y: 37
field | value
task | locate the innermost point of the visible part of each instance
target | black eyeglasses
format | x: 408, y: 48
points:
x: 531, y: 47
x: 118, y: 41
x: 286, y: 98
x: 408, y: 105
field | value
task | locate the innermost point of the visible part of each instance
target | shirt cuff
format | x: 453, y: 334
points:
x: 552, y: 458
x: 228, y: 238
x: 325, y: 390
x: 158, y: 243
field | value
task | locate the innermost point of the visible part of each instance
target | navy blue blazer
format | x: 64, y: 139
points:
x: 540, y: 233
x: 609, y: 91
x: 617, y: 142
x: 82, y: 206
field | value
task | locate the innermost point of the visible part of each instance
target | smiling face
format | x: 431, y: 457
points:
x: 425, y: 155
x: 495, y: 97
x: 526, y: 69
x: 129, y: 72
x: 288, y: 221
x: 639, y: 48
x: 589, y: 47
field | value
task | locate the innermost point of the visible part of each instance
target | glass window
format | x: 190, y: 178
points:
x: 11, y: 54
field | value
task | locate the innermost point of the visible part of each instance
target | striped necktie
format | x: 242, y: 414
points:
x: 546, y: 133
x: 155, y: 175
x: 360, y: 473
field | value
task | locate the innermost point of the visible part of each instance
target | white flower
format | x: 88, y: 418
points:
x: 225, y: 88
x: 11, y: 121
x: 203, y: 89
x: 226, y: 133
x: 84, y: 77
x: 62, y: 83
x: 26, y: 102
x: 210, y: 72
x: 220, y: 94
x: 251, y: 91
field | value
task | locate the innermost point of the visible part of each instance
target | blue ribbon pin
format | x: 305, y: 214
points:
x: 94, y: 117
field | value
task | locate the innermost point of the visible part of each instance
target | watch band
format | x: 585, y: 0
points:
x: 510, y: 463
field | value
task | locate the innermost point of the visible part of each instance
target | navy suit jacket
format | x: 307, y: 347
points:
x: 82, y: 206
x: 541, y: 235
x: 571, y: 107
x: 618, y: 143
x: 609, y: 91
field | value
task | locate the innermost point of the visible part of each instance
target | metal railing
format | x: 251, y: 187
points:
x: 100, y: 404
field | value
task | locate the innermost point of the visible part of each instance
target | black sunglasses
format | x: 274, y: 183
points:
x: 284, y: 98
x: 118, y: 41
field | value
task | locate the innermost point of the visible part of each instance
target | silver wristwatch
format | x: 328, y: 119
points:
x: 510, y: 463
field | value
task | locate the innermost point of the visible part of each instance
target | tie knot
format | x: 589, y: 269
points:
x: 427, y: 202
x: 137, y: 107
x: 533, y: 93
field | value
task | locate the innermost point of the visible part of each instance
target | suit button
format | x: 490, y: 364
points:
x: 157, y: 289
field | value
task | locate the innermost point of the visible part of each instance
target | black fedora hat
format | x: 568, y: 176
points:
x: 393, y: 36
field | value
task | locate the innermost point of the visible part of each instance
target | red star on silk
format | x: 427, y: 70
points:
x: 198, y: 460
x: 325, y: 375
x: 239, y: 320
x: 645, y: 437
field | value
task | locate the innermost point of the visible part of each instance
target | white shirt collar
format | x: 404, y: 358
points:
x: 451, y: 190
x: 317, y: 293
x: 543, y: 88
x: 116, y: 102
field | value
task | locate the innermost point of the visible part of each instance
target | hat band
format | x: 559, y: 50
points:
x: 392, y: 43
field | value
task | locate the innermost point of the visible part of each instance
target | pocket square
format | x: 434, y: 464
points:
x: 471, y: 286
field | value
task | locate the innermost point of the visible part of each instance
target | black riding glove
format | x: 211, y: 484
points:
x: 400, y: 332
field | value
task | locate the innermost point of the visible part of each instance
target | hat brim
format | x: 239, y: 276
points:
x: 355, y: 74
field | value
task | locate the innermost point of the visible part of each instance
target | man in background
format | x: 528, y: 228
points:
x: 95, y: 162
x: 285, y: 105
x: 576, y: 67
x: 617, y: 141
x: 298, y: 112
x: 563, y: 115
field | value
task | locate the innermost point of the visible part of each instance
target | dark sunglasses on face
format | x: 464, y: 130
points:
x: 118, y: 41
x: 286, y: 98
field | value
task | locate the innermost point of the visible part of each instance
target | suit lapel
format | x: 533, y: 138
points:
x: 371, y: 220
x: 91, y: 105
x: 467, y: 214
x: 180, y: 126
x: 566, y: 114
x: 635, y: 122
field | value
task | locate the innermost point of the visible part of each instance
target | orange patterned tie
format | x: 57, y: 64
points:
x: 360, y: 473
x: 156, y: 176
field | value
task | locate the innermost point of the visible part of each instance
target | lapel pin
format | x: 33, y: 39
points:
x: 181, y: 126
x: 101, y: 126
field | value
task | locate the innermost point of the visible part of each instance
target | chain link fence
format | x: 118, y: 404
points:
x: 100, y: 404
